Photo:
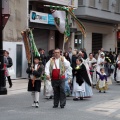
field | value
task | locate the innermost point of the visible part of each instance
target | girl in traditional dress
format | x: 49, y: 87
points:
x: 102, y: 82
x: 34, y: 83
x: 81, y: 83
x: 118, y: 69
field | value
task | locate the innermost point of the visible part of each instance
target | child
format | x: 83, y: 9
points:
x: 34, y: 83
x: 102, y: 86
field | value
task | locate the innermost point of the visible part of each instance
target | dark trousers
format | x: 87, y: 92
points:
x: 59, y: 92
x: 9, y: 80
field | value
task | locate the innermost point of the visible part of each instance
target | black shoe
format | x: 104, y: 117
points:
x: 50, y: 97
x: 81, y: 98
x: 104, y: 91
x: 62, y: 106
x: 55, y: 106
x: 100, y: 91
x: 10, y: 86
x: 75, y: 99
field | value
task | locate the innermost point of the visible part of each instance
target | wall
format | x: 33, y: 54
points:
x: 18, y: 20
x: 109, y: 36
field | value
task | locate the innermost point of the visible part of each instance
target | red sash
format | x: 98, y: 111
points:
x: 56, y: 73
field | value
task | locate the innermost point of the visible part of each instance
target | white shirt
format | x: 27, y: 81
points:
x: 47, y: 66
x: 100, y: 60
x: 36, y: 65
x: 89, y: 61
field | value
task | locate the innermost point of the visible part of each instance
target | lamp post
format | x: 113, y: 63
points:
x: 3, y: 89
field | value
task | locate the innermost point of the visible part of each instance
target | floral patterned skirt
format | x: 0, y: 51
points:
x: 102, y: 85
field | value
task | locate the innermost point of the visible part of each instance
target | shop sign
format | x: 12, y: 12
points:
x: 44, y: 18
x: 118, y: 35
x: 50, y: 19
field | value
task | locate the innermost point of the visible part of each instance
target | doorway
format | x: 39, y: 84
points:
x: 96, y: 42
x: 19, y: 61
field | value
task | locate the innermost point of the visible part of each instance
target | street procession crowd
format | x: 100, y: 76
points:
x: 71, y: 73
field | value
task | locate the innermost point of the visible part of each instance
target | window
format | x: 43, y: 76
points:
x: 78, y: 42
x: 117, y: 6
x: 80, y: 2
x: 92, y: 3
x: 105, y: 4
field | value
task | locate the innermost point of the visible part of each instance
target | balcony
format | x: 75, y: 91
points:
x: 60, y: 2
x: 99, y: 10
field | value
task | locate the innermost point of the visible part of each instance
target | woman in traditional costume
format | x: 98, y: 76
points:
x: 92, y: 65
x: 100, y: 62
x: 81, y: 83
x: 117, y: 70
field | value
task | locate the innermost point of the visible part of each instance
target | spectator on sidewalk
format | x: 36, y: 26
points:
x: 9, y: 64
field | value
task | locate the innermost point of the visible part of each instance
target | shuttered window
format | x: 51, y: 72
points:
x: 92, y: 3
x: 105, y: 4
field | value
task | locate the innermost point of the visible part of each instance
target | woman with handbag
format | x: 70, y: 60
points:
x: 8, y: 65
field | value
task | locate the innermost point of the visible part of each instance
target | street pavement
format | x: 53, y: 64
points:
x: 17, y: 105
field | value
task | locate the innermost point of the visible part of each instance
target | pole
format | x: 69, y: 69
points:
x: 3, y: 89
x: 63, y: 46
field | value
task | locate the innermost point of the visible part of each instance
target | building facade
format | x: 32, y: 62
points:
x: 101, y: 19
x: 13, y: 42
x: 45, y: 33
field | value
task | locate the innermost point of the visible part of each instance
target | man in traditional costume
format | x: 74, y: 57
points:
x: 55, y: 70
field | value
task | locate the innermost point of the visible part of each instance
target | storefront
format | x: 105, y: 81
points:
x: 45, y: 32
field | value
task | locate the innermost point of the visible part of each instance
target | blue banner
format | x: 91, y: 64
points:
x: 50, y: 19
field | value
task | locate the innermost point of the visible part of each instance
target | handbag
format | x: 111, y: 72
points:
x: 11, y: 71
x: 112, y: 67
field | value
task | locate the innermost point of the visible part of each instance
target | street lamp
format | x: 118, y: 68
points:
x: 3, y: 89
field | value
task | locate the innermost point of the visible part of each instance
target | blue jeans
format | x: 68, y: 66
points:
x: 67, y: 87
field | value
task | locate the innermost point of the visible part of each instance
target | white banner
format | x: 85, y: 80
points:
x: 61, y: 16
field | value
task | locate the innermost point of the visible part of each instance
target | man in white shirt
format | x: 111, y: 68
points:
x: 55, y: 70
